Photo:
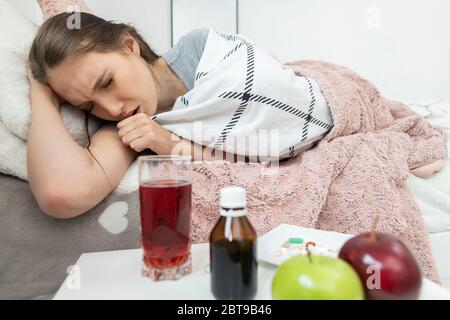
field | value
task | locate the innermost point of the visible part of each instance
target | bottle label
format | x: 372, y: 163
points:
x: 225, y: 212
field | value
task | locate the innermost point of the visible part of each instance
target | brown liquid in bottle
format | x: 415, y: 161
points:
x: 233, y: 258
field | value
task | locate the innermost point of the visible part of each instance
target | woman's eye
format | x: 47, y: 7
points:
x: 109, y: 83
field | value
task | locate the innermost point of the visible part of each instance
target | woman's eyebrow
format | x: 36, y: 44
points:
x: 98, y: 81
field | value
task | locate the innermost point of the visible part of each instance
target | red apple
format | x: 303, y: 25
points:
x: 387, y: 268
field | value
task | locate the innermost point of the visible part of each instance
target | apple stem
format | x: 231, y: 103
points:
x: 309, y: 254
x: 374, y: 227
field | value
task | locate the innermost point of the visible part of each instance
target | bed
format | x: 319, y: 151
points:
x: 432, y: 195
x: 37, y: 250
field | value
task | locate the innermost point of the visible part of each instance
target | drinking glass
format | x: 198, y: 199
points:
x: 165, y: 195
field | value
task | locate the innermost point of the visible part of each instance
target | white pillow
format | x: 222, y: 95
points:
x: 13, y: 154
x: 16, y: 35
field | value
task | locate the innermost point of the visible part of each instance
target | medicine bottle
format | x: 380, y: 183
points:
x: 233, y: 249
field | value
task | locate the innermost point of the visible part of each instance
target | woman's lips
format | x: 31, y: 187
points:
x: 137, y: 110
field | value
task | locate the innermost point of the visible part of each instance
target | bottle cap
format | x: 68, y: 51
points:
x: 233, y: 197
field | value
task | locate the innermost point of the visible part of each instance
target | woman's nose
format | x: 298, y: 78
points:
x: 114, y: 107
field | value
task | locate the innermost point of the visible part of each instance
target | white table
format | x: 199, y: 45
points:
x: 116, y: 275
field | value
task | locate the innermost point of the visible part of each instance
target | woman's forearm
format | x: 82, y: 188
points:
x: 164, y: 142
x: 55, y: 161
x: 199, y: 152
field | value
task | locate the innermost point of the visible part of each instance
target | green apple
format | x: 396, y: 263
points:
x: 316, y: 278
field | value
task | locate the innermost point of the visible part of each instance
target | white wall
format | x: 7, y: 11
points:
x: 402, y: 46
x: 406, y: 52
x: 150, y: 17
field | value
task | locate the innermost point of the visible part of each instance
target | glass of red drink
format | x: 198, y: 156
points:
x: 165, y: 194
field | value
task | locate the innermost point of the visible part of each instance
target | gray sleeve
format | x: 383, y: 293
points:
x: 184, y: 57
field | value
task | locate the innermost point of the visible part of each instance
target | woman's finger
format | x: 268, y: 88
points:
x: 131, y: 136
x: 140, y: 144
x: 127, y: 129
x: 129, y: 120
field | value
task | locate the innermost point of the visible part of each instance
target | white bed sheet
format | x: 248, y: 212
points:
x: 433, y: 194
x: 433, y: 197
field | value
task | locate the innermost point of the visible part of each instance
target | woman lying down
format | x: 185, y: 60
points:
x: 212, y: 96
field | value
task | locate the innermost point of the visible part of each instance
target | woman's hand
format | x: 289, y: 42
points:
x: 140, y: 133
x: 39, y: 91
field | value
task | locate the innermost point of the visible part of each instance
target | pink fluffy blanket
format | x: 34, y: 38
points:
x: 356, y: 172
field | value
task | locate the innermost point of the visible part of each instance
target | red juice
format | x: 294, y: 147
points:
x: 165, y: 222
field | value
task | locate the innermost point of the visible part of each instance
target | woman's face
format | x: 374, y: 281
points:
x: 115, y: 85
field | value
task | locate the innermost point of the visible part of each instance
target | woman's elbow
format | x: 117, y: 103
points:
x: 59, y: 205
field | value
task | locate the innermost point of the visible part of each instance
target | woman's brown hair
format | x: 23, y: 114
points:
x: 57, y: 39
